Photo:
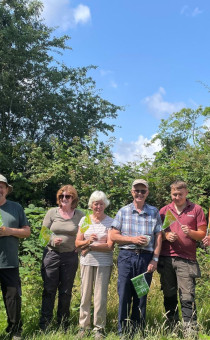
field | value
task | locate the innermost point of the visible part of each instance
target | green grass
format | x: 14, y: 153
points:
x: 156, y: 326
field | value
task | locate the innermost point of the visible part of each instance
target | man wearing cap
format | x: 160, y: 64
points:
x: 137, y: 230
x: 13, y: 225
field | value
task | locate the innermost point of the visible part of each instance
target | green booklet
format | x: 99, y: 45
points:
x: 140, y: 284
x: 86, y: 223
x: 169, y: 219
x: 44, y: 235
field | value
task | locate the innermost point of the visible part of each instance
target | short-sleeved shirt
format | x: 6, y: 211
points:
x: 13, y: 216
x: 132, y: 223
x: 98, y: 258
x: 184, y: 247
x: 62, y: 228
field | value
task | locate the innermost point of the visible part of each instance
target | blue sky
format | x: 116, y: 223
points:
x: 151, y: 55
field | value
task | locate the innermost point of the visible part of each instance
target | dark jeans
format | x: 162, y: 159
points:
x: 58, y: 272
x: 130, y: 265
x: 11, y: 291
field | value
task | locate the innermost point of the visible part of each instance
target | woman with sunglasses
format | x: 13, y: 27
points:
x: 60, y: 261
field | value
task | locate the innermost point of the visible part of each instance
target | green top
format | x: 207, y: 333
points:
x: 13, y: 216
x: 62, y: 228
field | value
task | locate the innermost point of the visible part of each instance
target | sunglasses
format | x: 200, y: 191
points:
x: 143, y: 192
x: 61, y: 197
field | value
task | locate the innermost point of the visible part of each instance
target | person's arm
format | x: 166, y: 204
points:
x: 82, y: 243
x: 23, y: 232
x: 104, y: 247
x: 157, y: 248
x: 121, y: 239
x: 196, y: 235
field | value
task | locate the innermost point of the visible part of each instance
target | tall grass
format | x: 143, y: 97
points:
x: 156, y: 328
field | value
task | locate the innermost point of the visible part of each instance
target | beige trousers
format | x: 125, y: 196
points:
x: 96, y: 278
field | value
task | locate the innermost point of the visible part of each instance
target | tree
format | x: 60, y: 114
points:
x: 41, y: 97
x: 87, y: 164
x: 185, y: 155
x: 181, y: 129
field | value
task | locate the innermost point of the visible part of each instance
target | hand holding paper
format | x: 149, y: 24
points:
x: 44, y: 235
x: 140, y: 284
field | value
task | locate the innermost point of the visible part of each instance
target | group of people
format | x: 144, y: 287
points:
x: 143, y: 248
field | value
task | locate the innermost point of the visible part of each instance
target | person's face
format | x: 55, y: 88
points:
x: 65, y: 199
x: 3, y: 191
x: 179, y: 196
x: 98, y: 207
x: 139, y: 193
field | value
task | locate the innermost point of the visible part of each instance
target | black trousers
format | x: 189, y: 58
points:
x: 58, y: 272
x: 11, y: 291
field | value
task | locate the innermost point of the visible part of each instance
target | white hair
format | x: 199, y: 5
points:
x: 98, y: 196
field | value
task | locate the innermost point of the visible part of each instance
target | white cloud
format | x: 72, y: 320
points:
x: 159, y: 107
x: 189, y: 12
x: 104, y: 73
x: 82, y: 14
x: 113, y: 84
x: 196, y: 12
x: 61, y: 13
x: 135, y: 151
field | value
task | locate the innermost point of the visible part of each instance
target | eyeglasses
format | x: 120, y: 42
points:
x: 61, y: 197
x: 143, y: 192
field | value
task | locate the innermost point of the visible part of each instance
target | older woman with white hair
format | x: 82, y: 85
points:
x: 95, y: 265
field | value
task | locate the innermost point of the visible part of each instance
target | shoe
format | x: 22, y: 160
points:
x: 82, y: 333
x: 98, y: 335
x: 17, y: 336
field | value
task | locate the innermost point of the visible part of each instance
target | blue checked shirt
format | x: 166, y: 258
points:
x: 131, y: 223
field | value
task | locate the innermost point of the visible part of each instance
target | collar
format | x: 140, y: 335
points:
x: 172, y: 206
x: 144, y: 209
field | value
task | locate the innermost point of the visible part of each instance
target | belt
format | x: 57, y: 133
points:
x: 139, y: 251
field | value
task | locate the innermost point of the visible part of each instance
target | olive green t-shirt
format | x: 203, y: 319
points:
x: 62, y: 228
x: 13, y: 216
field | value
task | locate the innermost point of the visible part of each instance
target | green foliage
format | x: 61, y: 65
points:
x: 40, y: 97
x: 30, y: 249
x: 87, y: 164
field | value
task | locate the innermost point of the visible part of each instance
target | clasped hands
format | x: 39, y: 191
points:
x: 85, y: 248
x: 172, y: 236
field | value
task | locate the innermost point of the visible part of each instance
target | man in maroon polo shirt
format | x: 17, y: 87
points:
x: 177, y: 264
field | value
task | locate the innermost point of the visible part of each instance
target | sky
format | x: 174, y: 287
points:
x: 152, y: 58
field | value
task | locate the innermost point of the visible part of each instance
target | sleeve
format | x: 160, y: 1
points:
x: 81, y: 221
x: 158, y: 226
x: 48, y: 219
x: 109, y: 223
x: 117, y: 222
x: 162, y: 213
x: 201, y: 219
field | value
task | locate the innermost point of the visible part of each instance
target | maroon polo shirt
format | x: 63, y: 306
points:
x: 185, y: 247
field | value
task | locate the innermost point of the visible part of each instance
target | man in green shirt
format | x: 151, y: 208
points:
x: 13, y: 225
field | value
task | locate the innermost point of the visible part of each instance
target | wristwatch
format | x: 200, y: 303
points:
x: 155, y: 258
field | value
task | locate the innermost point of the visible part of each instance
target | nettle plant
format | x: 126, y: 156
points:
x: 30, y: 251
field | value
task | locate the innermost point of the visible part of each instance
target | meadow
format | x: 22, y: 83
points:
x: 156, y: 328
